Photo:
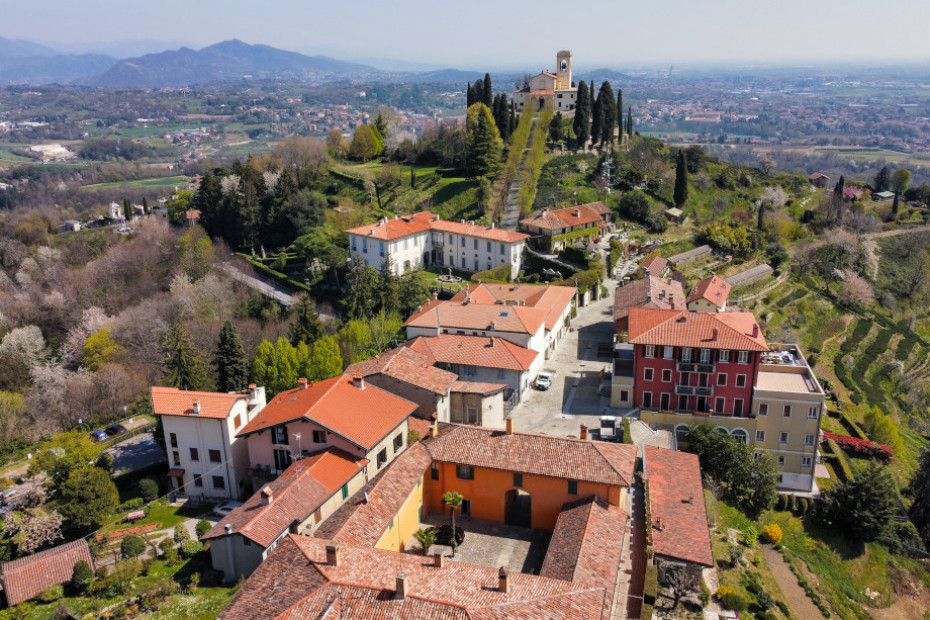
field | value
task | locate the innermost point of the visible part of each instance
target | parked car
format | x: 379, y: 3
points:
x: 115, y: 429
x: 99, y: 435
x: 543, y: 381
x: 444, y: 535
x: 224, y: 509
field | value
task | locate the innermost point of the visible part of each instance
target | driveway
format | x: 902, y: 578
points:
x: 136, y: 453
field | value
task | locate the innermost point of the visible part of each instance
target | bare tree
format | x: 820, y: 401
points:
x: 681, y: 581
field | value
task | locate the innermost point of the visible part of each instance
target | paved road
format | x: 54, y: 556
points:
x: 271, y: 289
x: 136, y: 453
x: 511, y: 216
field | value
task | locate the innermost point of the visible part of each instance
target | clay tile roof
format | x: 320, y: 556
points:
x: 553, y: 300
x: 543, y: 455
x: 363, y: 416
x: 297, y: 493
x: 713, y: 289
x: 27, y: 577
x: 405, y: 225
x: 362, y: 523
x: 478, y: 317
x: 648, y: 292
x: 676, y: 499
x: 475, y: 351
x: 475, y: 230
x: 406, y: 365
x: 655, y: 265
x: 172, y: 401
x: 542, y: 92
x: 478, y: 388
x: 590, y: 213
x: 681, y: 328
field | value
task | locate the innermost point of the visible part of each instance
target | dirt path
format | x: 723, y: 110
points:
x: 800, y: 605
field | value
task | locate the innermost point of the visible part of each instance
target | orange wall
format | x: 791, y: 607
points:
x: 487, y: 493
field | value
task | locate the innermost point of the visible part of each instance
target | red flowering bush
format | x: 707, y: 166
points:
x: 861, y: 447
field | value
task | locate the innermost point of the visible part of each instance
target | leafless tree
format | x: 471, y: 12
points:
x: 681, y: 581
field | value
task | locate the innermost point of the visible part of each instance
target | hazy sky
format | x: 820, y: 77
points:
x: 494, y: 34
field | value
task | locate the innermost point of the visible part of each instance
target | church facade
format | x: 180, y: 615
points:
x: 556, y: 87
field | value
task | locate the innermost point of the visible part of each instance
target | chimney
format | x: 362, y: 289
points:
x: 491, y: 343
x: 435, y: 296
x: 584, y: 431
x: 434, y: 429
x: 509, y: 423
x: 755, y: 330
x: 252, y: 387
x: 503, y: 580
x: 267, y: 496
x: 358, y: 381
x: 401, y: 590
x: 577, y: 212
x: 492, y: 225
x: 714, y: 337
x: 439, y: 560
x: 545, y: 212
x: 332, y: 553
x: 196, y: 407
x: 302, y: 383
x: 228, y: 528
x: 671, y: 301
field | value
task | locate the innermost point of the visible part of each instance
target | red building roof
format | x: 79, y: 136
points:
x: 409, y: 366
x: 468, y: 387
x: 556, y: 219
x: 362, y: 414
x: 553, y: 300
x: 465, y: 315
x: 713, y: 289
x: 405, y: 225
x: 475, y: 351
x: 709, y: 330
x: 676, y: 499
x: 29, y: 576
x: 655, y: 265
x: 172, y: 401
x: 648, y: 292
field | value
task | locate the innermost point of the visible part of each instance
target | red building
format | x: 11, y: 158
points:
x: 696, y: 362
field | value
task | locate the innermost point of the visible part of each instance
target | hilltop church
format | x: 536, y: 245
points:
x: 556, y: 87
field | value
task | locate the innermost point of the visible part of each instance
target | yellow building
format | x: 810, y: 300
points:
x: 557, y: 88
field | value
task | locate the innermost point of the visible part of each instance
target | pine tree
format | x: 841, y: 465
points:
x: 620, y: 115
x: 581, y: 122
x: 306, y: 326
x: 232, y: 367
x: 608, y: 113
x: 387, y: 285
x: 183, y: 364
x: 484, y: 145
x: 363, y: 291
x: 681, y: 180
x: 629, y: 122
x: 882, y: 180
x: 488, y: 92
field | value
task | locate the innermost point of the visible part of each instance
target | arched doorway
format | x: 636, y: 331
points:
x: 519, y: 508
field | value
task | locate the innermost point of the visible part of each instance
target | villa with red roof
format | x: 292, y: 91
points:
x: 424, y: 240
x: 205, y: 457
x: 709, y: 295
x: 554, y: 222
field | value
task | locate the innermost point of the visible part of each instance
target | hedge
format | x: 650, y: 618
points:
x: 647, y: 612
x: 501, y: 273
x: 860, y: 447
x: 651, y: 588
x: 276, y: 276
x: 845, y: 470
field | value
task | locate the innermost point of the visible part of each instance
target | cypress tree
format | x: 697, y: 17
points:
x: 629, y: 122
x: 488, y: 92
x: 581, y: 123
x: 232, y: 367
x: 681, y: 180
x: 504, y: 127
x: 306, y: 326
x: 839, y: 187
x: 597, y: 118
x: 894, y: 205
x: 468, y: 96
x: 620, y: 115
x: 608, y: 113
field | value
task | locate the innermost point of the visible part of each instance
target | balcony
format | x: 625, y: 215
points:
x: 694, y: 390
x: 708, y: 367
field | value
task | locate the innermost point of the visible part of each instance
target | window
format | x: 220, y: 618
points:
x: 365, y: 245
x: 666, y: 376
x: 664, y: 401
x: 279, y: 434
x: 345, y: 491
x: 686, y: 354
x: 518, y: 480
x: 705, y: 356
x: 237, y: 421
x: 471, y: 415
x: 740, y: 380
x: 382, y: 458
x: 809, y: 439
x: 195, y: 455
x: 763, y: 408
x: 476, y: 244
x: 198, y: 480
x: 722, y: 378
x: 176, y: 457
x: 781, y: 460
x: 573, y: 487
x: 500, y: 374
x: 738, y: 406
x: 806, y: 461
x: 647, y: 400
x: 783, y: 438
x: 502, y: 249
x: 760, y: 435
x: 648, y: 374
x: 219, y: 482
x: 246, y: 541
x: 668, y: 352
x: 650, y: 350
x: 434, y: 471
x: 174, y: 440
x: 282, y: 459
x: 742, y: 357
x: 398, y: 442
x: 464, y: 472
x: 812, y: 413
x: 787, y: 411
x: 682, y: 403
x: 681, y: 432
x: 354, y: 245
x: 624, y: 395
x: 381, y: 248
x: 740, y: 435
x: 723, y: 355
x: 215, y: 456
x: 720, y: 405
x: 319, y: 436
x: 489, y: 246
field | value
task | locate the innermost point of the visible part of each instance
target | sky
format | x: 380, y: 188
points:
x: 503, y: 34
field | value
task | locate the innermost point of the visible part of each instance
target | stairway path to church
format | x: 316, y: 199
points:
x: 512, y: 213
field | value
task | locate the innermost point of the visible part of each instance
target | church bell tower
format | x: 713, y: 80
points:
x: 563, y: 71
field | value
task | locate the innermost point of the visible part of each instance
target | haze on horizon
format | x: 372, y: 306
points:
x: 496, y: 35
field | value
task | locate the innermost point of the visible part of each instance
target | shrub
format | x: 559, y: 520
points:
x: 169, y: 553
x: 772, y: 533
x: 861, y: 447
x: 783, y: 608
x: 792, y: 503
x: 131, y: 546
x: 804, y: 506
x: 52, y: 593
x: 203, y: 526
x: 734, y: 600
x: 81, y: 576
x: 723, y: 591
x: 148, y: 488
x: 705, y: 593
x: 120, y: 578
x: 133, y: 504
x: 764, y: 600
x: 736, y: 554
x: 190, y: 548
x: 155, y: 593
x: 181, y: 534
x: 781, y: 502
x: 750, y: 537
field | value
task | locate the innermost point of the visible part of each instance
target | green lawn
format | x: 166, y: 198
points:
x: 165, y: 515
x: 161, y: 182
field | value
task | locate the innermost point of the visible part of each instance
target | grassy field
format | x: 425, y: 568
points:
x: 160, y: 182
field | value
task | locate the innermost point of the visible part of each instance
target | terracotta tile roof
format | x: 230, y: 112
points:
x: 27, y: 577
x: 713, y: 289
x: 676, y: 499
x: 406, y: 225
x: 363, y: 416
x: 590, y: 213
x: 363, y: 522
x: 298, y: 492
x: 655, y: 265
x: 468, y: 387
x: 817, y: 175
x: 419, y: 425
x: 542, y: 92
x: 649, y: 292
x: 553, y: 300
x: 478, y: 317
x: 681, y: 328
x: 475, y: 351
x: 587, y: 543
x: 172, y: 401
x: 542, y: 455
x: 409, y: 366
